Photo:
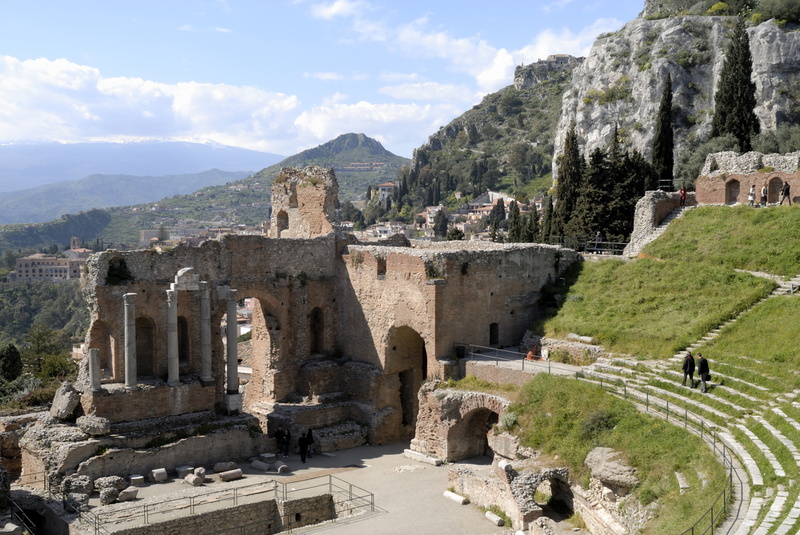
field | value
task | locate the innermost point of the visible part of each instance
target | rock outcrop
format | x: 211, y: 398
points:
x: 621, y: 81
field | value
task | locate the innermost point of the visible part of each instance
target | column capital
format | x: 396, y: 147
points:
x: 129, y: 298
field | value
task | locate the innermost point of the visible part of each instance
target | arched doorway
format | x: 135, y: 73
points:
x: 145, y: 347
x: 732, y: 191
x: 555, y: 496
x: 407, y: 357
x: 468, y: 438
x: 260, y: 351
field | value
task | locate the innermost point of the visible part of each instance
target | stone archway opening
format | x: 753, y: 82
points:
x: 258, y: 350
x: 184, y: 344
x: 469, y: 437
x: 407, y: 357
x: 316, y: 327
x: 103, y: 341
x: 555, y: 498
x: 145, y: 347
x: 282, y: 220
x: 732, y: 191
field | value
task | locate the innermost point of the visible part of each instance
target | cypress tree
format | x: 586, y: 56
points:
x: 547, y: 221
x: 569, y: 179
x: 663, y: 142
x: 515, y: 223
x: 735, y: 100
x: 592, y: 207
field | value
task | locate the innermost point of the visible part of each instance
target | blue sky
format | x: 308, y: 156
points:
x: 274, y: 75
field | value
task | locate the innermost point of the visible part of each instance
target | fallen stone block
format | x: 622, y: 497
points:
x: 455, y: 497
x: 11, y: 529
x: 128, y: 494
x: 77, y: 484
x: 260, y: 465
x: 94, y: 425
x: 137, y: 480
x: 494, y: 519
x: 200, y: 472
x: 224, y: 466
x: 108, y: 495
x: 281, y: 468
x: 231, y: 475
x: 159, y: 475
x: 416, y: 456
x: 113, y: 482
x: 194, y: 480
x: 65, y: 401
x: 267, y: 457
x: 184, y: 471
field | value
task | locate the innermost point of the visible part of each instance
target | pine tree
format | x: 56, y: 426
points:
x: 570, y: 172
x: 531, y: 231
x: 663, y: 141
x: 591, y: 212
x: 735, y: 100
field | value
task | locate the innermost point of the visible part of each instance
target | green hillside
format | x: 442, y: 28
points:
x: 654, y: 307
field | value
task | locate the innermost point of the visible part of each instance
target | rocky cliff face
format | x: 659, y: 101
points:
x: 621, y: 81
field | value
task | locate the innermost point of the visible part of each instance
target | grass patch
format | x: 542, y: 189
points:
x: 568, y: 418
x: 761, y: 346
x: 645, y: 307
x: 763, y: 239
x: 471, y: 382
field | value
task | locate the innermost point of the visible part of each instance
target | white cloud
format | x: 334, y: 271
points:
x: 222, y: 30
x: 338, y: 8
x: 69, y: 102
x: 558, y: 4
x: 565, y: 41
x: 400, y: 127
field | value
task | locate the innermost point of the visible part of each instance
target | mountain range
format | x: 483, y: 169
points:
x: 32, y: 164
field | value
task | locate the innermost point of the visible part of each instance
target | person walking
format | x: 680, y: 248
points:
x: 785, y: 193
x: 682, y: 193
x: 751, y: 196
x: 302, y: 442
x: 703, y: 372
x: 688, y: 369
x: 310, y: 442
x: 764, y: 194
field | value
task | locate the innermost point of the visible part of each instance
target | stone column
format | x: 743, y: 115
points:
x: 94, y: 370
x: 205, y: 335
x: 130, y: 340
x: 232, y: 355
x: 172, y: 338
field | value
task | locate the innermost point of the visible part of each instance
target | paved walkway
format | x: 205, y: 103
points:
x: 408, y: 495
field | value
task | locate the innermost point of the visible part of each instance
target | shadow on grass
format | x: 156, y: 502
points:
x: 554, y: 295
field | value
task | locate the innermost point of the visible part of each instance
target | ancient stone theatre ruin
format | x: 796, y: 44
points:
x: 344, y: 335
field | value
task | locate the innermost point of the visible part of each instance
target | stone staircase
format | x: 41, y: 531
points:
x: 634, y: 248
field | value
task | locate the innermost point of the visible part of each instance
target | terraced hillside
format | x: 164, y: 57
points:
x: 752, y: 405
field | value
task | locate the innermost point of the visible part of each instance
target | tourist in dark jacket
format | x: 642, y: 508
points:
x: 703, y: 371
x: 688, y: 369
x: 302, y: 443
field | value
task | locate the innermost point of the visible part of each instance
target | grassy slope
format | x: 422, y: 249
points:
x: 654, y: 307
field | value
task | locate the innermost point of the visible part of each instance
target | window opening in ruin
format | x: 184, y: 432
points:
x: 381, y: 266
x: 555, y: 498
x: 732, y: 191
x: 494, y: 334
x: 297, y: 517
x: 317, y: 332
x: 103, y: 341
x: 283, y: 221
x: 145, y: 347
x: 774, y: 189
x: 183, y: 342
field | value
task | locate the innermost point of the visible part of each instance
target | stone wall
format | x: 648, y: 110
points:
x: 264, y: 517
x: 727, y: 176
x: 303, y: 202
x: 149, y: 400
x: 650, y: 211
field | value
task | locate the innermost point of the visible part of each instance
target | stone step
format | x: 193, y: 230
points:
x: 773, y: 461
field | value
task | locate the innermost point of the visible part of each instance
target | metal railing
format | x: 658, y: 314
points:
x: 712, y: 517
x: 346, y: 497
x: 589, y: 244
